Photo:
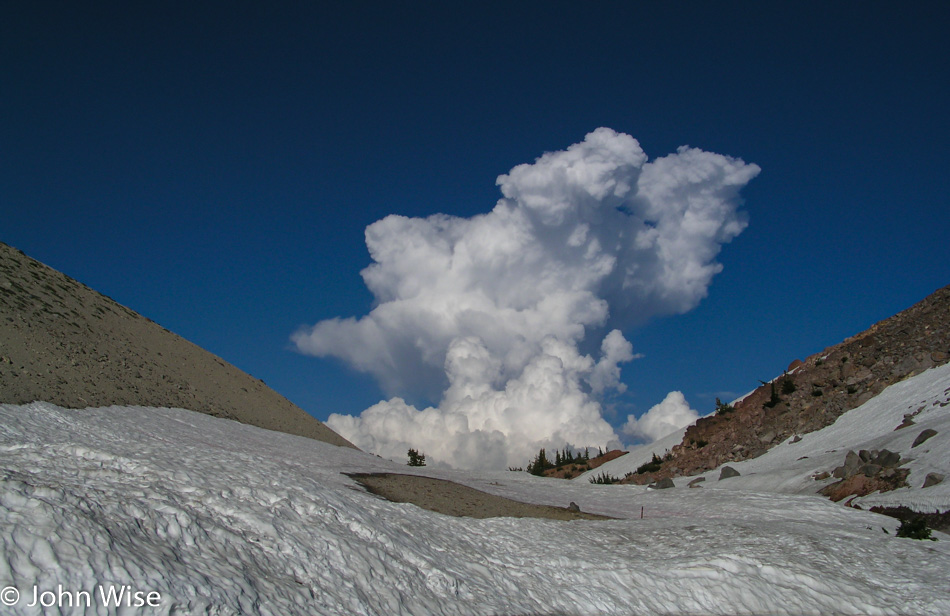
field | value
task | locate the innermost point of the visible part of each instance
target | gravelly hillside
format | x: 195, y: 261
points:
x: 64, y: 343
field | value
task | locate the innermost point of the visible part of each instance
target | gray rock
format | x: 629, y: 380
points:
x: 852, y: 463
x: 573, y: 507
x: 727, y: 472
x: 662, y: 484
x: 932, y: 479
x: 797, y: 439
x: 870, y: 470
x: 908, y: 421
x: 695, y: 482
x: 887, y: 459
x: 923, y: 436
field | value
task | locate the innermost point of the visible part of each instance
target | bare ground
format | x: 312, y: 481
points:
x: 450, y: 498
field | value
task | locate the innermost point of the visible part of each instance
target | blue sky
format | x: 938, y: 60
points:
x: 214, y: 167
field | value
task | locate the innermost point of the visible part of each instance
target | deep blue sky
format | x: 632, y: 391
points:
x: 213, y: 165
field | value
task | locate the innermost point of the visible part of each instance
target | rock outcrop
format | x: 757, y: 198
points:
x: 813, y: 393
x: 865, y: 472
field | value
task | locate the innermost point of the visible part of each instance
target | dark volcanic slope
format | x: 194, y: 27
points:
x: 64, y: 343
x: 819, y: 390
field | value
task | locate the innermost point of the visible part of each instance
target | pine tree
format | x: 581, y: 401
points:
x: 540, y: 464
x: 774, y: 398
x: 416, y: 458
x: 722, y: 409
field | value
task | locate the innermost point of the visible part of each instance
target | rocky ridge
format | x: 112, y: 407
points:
x: 64, y: 343
x: 813, y: 393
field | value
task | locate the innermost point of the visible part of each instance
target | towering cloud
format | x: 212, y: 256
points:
x: 490, y: 314
x: 664, y: 418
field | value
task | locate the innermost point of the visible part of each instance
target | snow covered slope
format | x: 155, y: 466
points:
x: 637, y: 457
x: 790, y: 466
x: 217, y: 517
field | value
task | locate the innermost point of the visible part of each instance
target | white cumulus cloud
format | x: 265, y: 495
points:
x: 664, y: 418
x: 488, y: 314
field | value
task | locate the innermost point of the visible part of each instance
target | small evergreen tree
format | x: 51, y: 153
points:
x: 774, y: 398
x: 540, y: 464
x: 416, y: 458
x: 604, y: 479
x: 651, y: 466
x: 914, y: 529
x: 722, y: 409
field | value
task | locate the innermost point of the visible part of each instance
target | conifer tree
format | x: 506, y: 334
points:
x: 416, y: 458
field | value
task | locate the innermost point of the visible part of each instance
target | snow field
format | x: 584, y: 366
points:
x: 223, y: 518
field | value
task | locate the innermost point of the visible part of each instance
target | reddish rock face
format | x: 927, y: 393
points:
x: 820, y: 389
x: 861, y: 485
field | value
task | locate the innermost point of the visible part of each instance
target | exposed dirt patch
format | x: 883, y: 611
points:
x: 575, y: 469
x: 453, y: 499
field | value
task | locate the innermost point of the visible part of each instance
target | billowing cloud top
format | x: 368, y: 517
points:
x: 664, y: 418
x: 490, y: 312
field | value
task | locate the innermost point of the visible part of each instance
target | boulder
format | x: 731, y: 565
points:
x: 908, y: 421
x: 852, y: 462
x: 662, y: 484
x: 727, y: 472
x: 573, y: 508
x: 695, y: 482
x: 932, y: 479
x: 923, y: 436
x: 887, y: 459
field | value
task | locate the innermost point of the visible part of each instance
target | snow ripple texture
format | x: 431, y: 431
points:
x: 223, y: 518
